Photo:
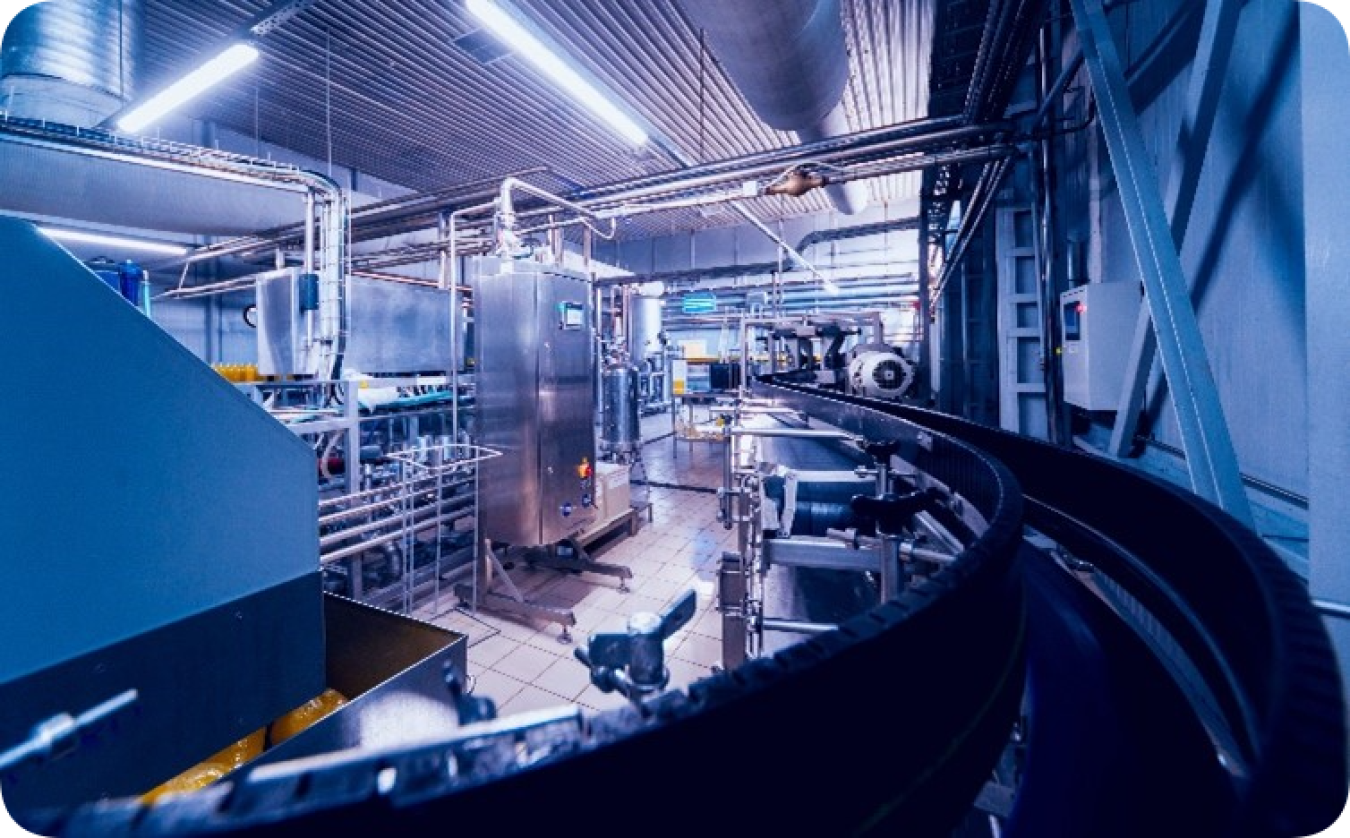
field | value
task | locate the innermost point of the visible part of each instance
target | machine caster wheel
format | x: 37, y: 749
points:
x: 565, y: 637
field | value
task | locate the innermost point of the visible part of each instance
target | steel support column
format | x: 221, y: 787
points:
x: 1217, y: 33
x: 1204, y: 431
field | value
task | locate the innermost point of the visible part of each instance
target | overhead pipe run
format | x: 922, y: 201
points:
x: 789, y: 61
x: 323, y: 196
x: 925, y: 141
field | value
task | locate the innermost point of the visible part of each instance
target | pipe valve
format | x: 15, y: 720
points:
x: 634, y: 663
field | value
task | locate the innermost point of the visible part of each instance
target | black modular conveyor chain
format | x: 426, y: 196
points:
x: 1269, y: 691
x: 887, y: 725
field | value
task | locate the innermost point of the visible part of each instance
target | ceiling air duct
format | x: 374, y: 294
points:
x: 789, y: 62
x: 74, y: 62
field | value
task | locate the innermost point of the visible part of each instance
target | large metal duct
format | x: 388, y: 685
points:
x: 74, y: 62
x: 789, y: 62
x: 131, y: 193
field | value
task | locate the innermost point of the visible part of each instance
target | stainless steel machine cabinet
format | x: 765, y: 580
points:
x: 534, y: 381
x: 621, y: 432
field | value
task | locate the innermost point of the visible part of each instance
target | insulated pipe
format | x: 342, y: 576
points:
x: 789, y: 62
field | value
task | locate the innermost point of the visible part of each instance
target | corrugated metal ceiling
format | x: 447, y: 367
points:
x: 380, y: 86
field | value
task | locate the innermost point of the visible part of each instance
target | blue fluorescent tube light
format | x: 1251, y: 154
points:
x: 113, y: 241
x: 500, y: 23
x: 188, y: 87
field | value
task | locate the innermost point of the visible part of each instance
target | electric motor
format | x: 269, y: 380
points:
x: 880, y: 375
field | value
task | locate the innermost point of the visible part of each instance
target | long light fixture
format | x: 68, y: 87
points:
x: 527, y: 46
x: 113, y: 241
x: 189, y: 87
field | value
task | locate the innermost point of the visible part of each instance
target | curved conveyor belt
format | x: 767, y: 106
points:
x: 1217, y: 714
x: 1195, y: 692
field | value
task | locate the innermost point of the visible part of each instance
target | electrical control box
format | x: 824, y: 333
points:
x: 1097, y: 325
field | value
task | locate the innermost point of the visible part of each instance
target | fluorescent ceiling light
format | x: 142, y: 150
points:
x: 189, y: 87
x: 114, y: 241
x: 528, y: 47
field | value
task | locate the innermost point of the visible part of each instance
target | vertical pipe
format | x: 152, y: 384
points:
x: 966, y: 390
x: 353, y: 415
x: 1049, y: 93
x: 598, y: 349
x: 892, y: 576
x: 883, y: 476
x: 743, y: 536
x: 445, y: 269
x: 745, y: 357
x: 309, y: 231
x: 924, y: 361
x: 728, y: 453
x: 308, y: 257
x: 443, y: 262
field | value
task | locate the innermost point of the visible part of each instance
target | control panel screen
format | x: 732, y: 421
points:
x: 1072, y: 323
x: 571, y: 316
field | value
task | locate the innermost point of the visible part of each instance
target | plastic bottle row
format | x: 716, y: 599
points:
x: 238, y: 373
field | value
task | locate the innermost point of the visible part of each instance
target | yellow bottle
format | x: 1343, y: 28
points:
x: 194, y: 779
x: 305, y: 715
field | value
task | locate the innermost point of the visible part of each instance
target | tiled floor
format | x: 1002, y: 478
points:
x: 522, y: 665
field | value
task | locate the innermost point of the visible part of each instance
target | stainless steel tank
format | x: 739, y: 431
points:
x: 645, y: 327
x: 621, y: 432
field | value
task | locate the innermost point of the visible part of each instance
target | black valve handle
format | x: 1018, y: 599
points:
x: 893, y: 512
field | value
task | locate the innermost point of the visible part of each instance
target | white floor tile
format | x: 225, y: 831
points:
x: 496, y: 686
x: 679, y: 574
x: 491, y: 650
x: 701, y: 650
x: 525, y: 663
x: 547, y: 640
x: 660, y: 589
x: 708, y: 624
x: 531, y: 698
x: 508, y: 627
x: 566, y: 677
x: 609, y: 599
